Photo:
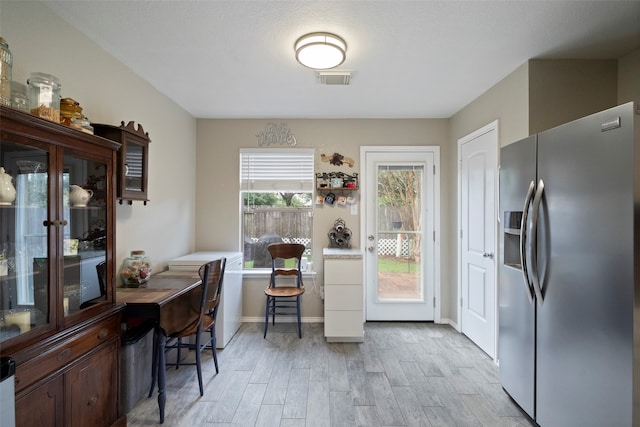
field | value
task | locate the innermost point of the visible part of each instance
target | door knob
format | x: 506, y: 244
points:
x: 371, y: 237
x: 370, y: 248
x: 488, y: 255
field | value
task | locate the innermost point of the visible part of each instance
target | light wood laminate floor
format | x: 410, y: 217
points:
x: 404, y: 374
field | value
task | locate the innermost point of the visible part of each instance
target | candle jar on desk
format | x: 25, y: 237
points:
x: 136, y: 269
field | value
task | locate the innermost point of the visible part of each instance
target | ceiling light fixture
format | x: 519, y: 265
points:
x: 320, y: 51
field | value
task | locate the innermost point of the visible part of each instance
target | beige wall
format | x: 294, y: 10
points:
x: 506, y: 102
x: 110, y: 93
x: 217, y: 216
x: 629, y: 78
x: 567, y: 89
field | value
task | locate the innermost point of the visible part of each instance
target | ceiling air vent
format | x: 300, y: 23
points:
x: 342, y: 78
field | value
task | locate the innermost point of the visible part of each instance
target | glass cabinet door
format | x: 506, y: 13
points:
x: 38, y: 198
x: 134, y: 167
x: 24, y: 187
x: 84, y: 235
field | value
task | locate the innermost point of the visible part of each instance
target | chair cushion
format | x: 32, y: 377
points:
x: 284, y: 291
x: 207, y: 322
x: 190, y: 329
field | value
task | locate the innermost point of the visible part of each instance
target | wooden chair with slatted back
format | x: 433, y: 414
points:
x: 284, y: 299
x: 211, y: 275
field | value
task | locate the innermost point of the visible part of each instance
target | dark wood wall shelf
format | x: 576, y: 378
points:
x: 326, y: 181
x: 133, y: 159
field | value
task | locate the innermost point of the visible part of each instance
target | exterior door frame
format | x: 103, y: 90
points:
x: 436, y: 214
x: 493, y: 126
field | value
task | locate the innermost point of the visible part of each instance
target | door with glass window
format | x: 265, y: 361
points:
x: 400, y: 240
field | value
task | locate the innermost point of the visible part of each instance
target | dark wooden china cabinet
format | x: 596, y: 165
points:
x: 58, y: 317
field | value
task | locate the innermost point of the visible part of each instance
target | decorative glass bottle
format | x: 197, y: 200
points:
x: 136, y: 269
x: 6, y: 64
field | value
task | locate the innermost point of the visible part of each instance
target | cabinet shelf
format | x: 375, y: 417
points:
x: 337, y: 189
x: 37, y: 207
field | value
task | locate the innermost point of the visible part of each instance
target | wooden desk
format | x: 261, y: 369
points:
x: 165, y: 298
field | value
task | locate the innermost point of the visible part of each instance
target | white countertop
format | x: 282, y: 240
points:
x: 337, y: 253
x: 196, y: 259
x: 204, y: 256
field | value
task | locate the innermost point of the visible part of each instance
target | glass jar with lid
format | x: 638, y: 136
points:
x: 19, y: 99
x: 44, y: 96
x: 136, y: 269
x: 83, y: 125
x: 6, y: 64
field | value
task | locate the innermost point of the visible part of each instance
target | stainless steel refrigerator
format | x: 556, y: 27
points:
x: 569, y: 271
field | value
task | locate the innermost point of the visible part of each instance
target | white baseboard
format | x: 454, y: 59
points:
x: 283, y: 319
x: 291, y: 319
x: 449, y: 322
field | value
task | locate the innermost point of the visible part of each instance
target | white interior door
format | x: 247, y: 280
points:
x: 399, y: 237
x: 478, y: 217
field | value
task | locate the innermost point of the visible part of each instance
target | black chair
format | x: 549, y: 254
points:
x: 101, y: 269
x: 211, y: 275
x: 284, y: 300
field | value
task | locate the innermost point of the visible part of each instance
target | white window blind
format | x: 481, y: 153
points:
x: 276, y: 169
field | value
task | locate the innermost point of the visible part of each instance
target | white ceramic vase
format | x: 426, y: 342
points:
x: 79, y: 196
x: 7, y: 190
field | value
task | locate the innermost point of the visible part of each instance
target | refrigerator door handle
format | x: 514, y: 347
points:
x: 535, y: 278
x: 523, y: 241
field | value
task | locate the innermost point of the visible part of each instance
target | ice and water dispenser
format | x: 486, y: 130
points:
x: 511, y: 239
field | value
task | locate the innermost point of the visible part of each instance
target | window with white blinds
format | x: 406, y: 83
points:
x: 276, y: 169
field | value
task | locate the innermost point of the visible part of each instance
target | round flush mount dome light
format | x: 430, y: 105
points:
x: 320, y: 51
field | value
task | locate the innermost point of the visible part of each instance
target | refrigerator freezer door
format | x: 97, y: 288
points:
x: 585, y: 259
x: 516, y: 351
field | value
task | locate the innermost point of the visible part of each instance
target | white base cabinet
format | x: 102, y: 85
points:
x: 343, y: 295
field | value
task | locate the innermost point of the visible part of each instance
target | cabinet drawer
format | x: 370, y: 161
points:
x: 343, y: 271
x: 50, y: 358
x: 343, y: 297
x: 347, y: 324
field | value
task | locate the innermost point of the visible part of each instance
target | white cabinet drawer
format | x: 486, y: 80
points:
x: 343, y: 324
x: 342, y: 271
x: 343, y: 297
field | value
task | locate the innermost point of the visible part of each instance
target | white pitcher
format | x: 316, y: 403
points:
x: 7, y: 190
x: 79, y: 196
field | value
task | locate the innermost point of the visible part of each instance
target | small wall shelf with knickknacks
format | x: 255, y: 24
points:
x: 331, y: 181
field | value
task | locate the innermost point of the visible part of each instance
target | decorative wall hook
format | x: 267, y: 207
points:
x: 337, y: 159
